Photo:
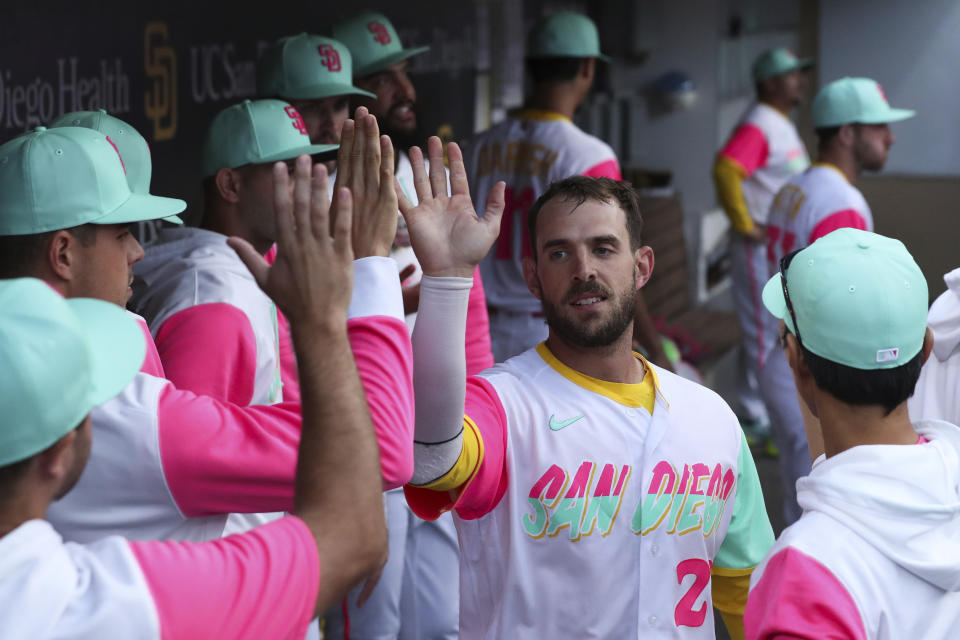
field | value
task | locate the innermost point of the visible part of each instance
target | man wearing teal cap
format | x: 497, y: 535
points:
x: 167, y: 463
x: 192, y: 270
x: 59, y: 358
x: 762, y: 153
x: 381, y: 65
x: 874, y: 554
x: 315, y: 75
x: 851, y: 117
x: 532, y: 148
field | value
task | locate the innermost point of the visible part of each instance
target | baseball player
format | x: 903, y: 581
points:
x: 936, y: 396
x: 417, y: 593
x: 166, y: 463
x: 529, y: 150
x: 60, y: 357
x: 851, y: 117
x: 874, y: 554
x: 597, y: 495
x: 314, y: 74
x: 762, y: 153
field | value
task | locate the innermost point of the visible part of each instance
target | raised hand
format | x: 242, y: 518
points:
x: 365, y: 167
x: 312, y: 278
x: 448, y: 237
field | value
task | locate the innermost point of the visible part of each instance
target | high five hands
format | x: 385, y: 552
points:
x: 448, y: 237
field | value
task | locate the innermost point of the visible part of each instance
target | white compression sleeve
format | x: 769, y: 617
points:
x: 439, y: 375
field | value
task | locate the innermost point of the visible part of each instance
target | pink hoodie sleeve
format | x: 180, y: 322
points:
x: 288, y: 360
x: 260, y: 584
x: 478, y: 350
x: 798, y: 598
x: 210, y: 349
x: 221, y: 458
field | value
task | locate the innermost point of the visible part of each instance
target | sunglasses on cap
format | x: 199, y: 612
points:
x: 784, y: 265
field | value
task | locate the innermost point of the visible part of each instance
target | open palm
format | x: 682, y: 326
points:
x: 448, y: 237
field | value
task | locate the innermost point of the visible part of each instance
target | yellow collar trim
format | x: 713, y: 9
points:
x: 830, y: 165
x: 641, y: 394
x: 541, y: 114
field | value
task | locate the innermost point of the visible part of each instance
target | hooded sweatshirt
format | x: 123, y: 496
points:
x: 876, y: 553
x: 936, y: 396
x: 216, y: 331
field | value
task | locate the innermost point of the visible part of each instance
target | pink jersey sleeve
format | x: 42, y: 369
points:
x: 381, y: 348
x: 483, y: 491
x: 747, y: 147
x: 606, y: 169
x: 152, y: 366
x: 839, y: 220
x: 478, y: 350
x: 797, y: 597
x: 210, y: 349
x: 288, y: 360
x: 260, y: 584
x: 221, y: 458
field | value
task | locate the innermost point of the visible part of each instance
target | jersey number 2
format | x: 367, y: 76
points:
x: 685, y: 615
x: 514, y: 204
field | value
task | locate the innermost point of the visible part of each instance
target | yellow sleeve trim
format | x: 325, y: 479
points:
x: 730, y: 588
x: 728, y: 178
x: 471, y: 455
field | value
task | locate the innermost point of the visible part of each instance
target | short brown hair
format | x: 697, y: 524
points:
x: 579, y: 189
x: 19, y: 255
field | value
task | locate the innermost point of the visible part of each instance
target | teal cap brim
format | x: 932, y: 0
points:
x: 773, y: 299
x: 891, y: 115
x: 310, y: 150
x: 389, y: 60
x: 327, y: 90
x: 139, y: 207
x: 117, y: 344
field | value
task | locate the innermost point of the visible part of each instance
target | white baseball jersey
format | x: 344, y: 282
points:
x: 768, y: 148
x: 528, y: 151
x: 588, y: 517
x: 876, y: 554
x: 935, y: 396
x: 809, y: 206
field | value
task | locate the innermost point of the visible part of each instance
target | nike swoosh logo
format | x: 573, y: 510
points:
x: 556, y: 425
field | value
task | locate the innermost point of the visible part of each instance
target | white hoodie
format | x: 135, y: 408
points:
x: 877, y: 551
x: 937, y: 396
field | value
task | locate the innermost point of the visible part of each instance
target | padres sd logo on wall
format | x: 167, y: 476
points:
x: 160, y: 65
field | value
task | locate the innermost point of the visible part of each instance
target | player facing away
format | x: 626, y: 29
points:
x: 60, y: 357
x: 851, y: 117
x: 417, y: 593
x: 763, y: 151
x: 532, y: 148
x: 936, y: 395
x: 596, y: 494
x: 876, y: 553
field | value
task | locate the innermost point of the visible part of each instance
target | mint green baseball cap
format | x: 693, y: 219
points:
x: 565, y: 34
x: 373, y: 41
x: 854, y: 100
x: 858, y: 297
x: 307, y: 67
x: 256, y: 132
x: 132, y: 147
x: 59, y: 178
x: 774, y: 62
x: 59, y: 358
